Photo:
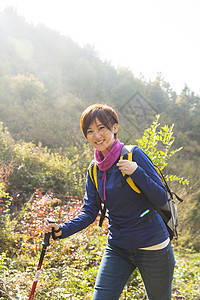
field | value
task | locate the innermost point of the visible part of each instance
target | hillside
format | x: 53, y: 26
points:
x: 47, y: 80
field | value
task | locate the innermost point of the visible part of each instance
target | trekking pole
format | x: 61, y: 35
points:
x: 45, y: 244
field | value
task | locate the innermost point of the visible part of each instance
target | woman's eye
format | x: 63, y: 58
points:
x: 101, y: 128
x: 89, y: 131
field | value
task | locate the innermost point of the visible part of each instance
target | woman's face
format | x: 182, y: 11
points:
x: 100, y: 137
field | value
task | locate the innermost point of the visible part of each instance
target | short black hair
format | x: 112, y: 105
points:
x: 103, y: 112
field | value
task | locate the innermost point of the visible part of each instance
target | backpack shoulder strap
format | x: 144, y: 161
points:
x: 127, y: 149
x: 127, y: 153
x: 93, y: 173
x: 101, y: 204
x: 170, y: 193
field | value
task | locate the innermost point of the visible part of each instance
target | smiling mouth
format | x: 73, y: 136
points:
x: 100, y: 142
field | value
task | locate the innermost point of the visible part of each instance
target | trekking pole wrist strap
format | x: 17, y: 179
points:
x: 56, y: 231
x: 59, y: 229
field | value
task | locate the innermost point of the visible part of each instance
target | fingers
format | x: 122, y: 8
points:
x: 126, y: 166
x: 47, y: 227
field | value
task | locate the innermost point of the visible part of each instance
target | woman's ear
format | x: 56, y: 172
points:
x: 115, y: 128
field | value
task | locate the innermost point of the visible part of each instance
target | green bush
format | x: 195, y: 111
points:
x: 158, y: 146
x: 38, y: 167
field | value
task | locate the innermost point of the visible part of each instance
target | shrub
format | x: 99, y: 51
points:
x: 38, y: 167
x: 157, y: 145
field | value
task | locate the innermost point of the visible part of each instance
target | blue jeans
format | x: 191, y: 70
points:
x: 156, y: 268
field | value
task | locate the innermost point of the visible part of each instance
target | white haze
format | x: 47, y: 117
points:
x: 145, y: 36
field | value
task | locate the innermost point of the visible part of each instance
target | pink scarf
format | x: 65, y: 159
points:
x: 105, y: 163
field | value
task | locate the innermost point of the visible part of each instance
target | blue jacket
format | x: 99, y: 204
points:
x: 127, y: 229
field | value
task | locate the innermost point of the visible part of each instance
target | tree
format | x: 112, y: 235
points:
x: 156, y: 94
x: 27, y: 88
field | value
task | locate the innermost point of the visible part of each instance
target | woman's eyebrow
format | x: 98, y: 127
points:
x: 100, y: 124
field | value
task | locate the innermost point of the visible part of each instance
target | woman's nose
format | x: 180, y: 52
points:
x: 97, y: 134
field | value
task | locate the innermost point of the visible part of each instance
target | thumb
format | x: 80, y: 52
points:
x: 52, y: 223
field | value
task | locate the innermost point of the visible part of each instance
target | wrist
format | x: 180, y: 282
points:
x: 56, y: 234
x: 57, y: 230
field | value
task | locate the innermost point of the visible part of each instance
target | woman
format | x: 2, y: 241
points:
x: 137, y: 237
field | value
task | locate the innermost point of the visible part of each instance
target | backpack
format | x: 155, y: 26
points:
x: 168, y: 212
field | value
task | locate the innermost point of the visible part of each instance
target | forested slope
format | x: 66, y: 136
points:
x: 47, y: 80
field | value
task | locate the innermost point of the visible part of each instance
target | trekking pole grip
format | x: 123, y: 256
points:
x: 47, y: 235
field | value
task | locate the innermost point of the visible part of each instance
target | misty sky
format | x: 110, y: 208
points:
x: 145, y: 36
